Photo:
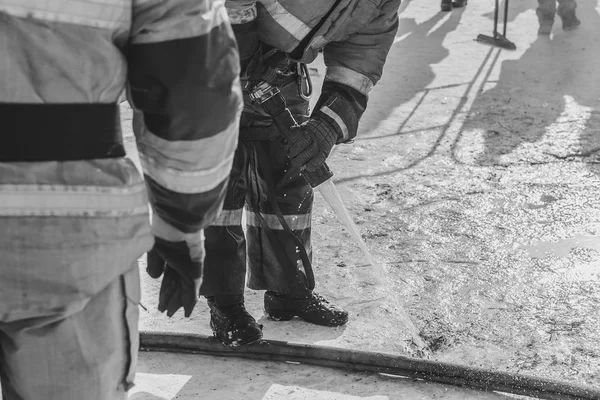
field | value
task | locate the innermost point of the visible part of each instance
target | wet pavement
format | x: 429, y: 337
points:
x: 474, y: 183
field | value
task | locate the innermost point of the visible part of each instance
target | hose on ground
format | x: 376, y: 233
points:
x: 365, y: 361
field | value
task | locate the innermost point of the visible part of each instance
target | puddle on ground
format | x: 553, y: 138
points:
x: 562, y: 247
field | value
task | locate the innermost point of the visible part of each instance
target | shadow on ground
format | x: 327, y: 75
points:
x: 541, y: 100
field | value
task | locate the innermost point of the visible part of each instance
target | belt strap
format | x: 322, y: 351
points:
x: 59, y: 132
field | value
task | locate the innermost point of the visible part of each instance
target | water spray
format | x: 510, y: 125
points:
x: 333, y: 198
x: 272, y: 101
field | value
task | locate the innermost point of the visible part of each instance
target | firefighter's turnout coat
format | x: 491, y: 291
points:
x: 73, y: 208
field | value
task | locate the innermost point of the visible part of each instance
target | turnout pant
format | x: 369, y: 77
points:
x: 87, y: 351
x: 547, y: 9
x: 262, y: 185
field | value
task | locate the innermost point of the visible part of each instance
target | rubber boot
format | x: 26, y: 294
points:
x: 459, y: 3
x: 312, y: 308
x: 446, y: 5
x: 230, y: 322
x: 566, y: 12
x: 570, y: 22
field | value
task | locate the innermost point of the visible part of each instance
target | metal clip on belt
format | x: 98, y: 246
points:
x: 304, y: 83
x: 273, y: 102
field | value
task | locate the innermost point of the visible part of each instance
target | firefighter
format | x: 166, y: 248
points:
x: 74, y: 214
x: 275, y: 165
x: 446, y: 5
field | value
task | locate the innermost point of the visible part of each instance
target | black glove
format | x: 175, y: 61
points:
x: 309, y: 144
x: 335, y: 120
x: 181, y: 276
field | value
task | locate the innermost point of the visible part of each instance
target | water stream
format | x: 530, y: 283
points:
x: 333, y: 198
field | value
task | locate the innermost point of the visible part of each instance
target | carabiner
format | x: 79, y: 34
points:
x: 305, y: 87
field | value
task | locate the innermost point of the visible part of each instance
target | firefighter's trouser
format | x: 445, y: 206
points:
x: 261, y: 184
x: 547, y: 9
x: 87, y: 351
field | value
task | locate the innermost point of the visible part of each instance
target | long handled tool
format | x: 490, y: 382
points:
x: 498, y: 39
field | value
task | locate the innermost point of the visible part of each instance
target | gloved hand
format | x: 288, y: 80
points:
x: 181, y: 276
x: 309, y: 144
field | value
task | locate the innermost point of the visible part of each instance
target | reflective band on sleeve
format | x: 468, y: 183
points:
x: 195, y: 240
x: 229, y: 218
x: 189, y: 155
x: 286, y: 20
x: 318, y: 42
x: 349, y: 77
x: 187, y: 182
x: 295, y: 222
x: 152, y: 26
x: 189, y: 166
x: 106, y: 14
x: 241, y: 15
x: 338, y: 120
x: 62, y: 200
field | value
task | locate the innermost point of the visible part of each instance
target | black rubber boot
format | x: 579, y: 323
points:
x: 230, y: 322
x: 311, y: 308
x: 446, y: 5
x: 570, y: 22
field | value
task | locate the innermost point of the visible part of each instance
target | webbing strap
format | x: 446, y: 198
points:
x: 309, y: 279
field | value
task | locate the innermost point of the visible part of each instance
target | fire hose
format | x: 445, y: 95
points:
x: 376, y: 362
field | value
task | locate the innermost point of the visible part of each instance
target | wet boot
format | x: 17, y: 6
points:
x: 570, y: 22
x: 230, y: 322
x: 312, y: 308
x: 446, y: 5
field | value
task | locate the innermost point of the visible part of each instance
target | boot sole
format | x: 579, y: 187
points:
x: 239, y: 342
x: 236, y: 343
x: 571, y: 28
x: 281, y: 316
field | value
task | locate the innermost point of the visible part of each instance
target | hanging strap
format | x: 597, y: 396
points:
x: 309, y: 279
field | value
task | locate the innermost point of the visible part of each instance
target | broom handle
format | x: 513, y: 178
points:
x: 505, y: 16
x: 496, y: 18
